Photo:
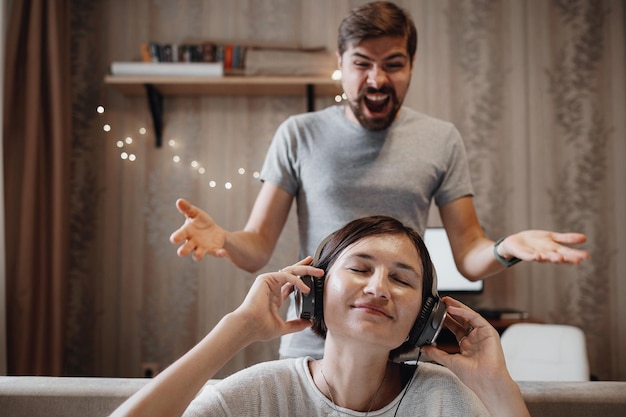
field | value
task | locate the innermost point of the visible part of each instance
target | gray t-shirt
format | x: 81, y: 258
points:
x: 286, y: 388
x: 338, y: 171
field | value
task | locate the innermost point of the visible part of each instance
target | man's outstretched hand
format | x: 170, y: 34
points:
x: 199, y: 235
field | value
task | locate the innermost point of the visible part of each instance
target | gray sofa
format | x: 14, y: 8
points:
x: 26, y: 396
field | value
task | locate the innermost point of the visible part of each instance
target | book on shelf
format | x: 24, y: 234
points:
x: 231, y: 55
x: 146, y: 53
x: 189, y: 69
x: 245, y: 58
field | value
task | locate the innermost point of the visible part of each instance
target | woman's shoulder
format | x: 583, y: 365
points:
x: 433, y: 370
x: 272, y: 367
x: 437, y: 379
x: 444, y: 391
x: 270, y: 373
x: 261, y: 389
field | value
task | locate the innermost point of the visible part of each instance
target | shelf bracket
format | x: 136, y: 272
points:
x: 155, y: 100
x: 310, y: 97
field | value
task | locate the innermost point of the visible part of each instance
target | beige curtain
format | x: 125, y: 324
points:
x: 536, y: 87
x: 36, y: 137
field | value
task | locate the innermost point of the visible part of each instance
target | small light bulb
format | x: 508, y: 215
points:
x: 176, y: 158
x: 201, y: 170
x: 120, y: 144
x: 171, y: 142
x: 100, y: 109
x: 132, y: 157
x: 142, y: 131
x: 256, y: 174
x: 124, y: 155
x: 106, y: 128
x: 212, y: 184
x: 241, y: 171
x: 228, y: 185
x: 128, y: 140
x: 194, y: 164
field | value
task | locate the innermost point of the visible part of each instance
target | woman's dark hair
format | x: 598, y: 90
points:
x: 375, y: 20
x: 358, y: 230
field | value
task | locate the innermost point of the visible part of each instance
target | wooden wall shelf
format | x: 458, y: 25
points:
x: 227, y: 85
x: 156, y: 87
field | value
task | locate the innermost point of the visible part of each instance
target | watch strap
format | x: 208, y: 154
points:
x: 506, y: 262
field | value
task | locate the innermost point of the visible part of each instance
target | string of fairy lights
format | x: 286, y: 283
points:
x: 125, y: 147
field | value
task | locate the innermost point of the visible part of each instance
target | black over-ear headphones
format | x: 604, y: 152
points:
x: 425, y: 330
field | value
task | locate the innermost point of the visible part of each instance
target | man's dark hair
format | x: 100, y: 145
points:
x: 360, y: 229
x: 375, y: 20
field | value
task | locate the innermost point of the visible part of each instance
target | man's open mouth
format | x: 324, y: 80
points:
x: 376, y: 103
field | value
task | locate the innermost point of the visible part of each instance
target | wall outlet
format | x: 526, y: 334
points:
x: 149, y: 369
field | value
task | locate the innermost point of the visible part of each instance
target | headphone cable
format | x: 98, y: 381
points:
x: 406, y: 389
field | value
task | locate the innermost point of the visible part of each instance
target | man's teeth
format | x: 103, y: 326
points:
x: 377, y: 97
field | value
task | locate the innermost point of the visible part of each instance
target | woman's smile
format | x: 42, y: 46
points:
x: 372, y: 309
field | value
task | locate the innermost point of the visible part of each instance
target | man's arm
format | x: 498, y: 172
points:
x: 474, y: 252
x: 252, y: 248
x: 249, y: 249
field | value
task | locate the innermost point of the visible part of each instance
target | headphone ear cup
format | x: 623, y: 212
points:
x: 429, y: 322
x: 421, y: 320
x: 305, y: 302
x: 311, y: 305
x: 318, y: 303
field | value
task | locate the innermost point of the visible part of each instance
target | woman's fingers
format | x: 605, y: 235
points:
x: 290, y: 277
x: 461, y: 320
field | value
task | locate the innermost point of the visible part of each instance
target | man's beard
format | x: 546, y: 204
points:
x: 375, y: 123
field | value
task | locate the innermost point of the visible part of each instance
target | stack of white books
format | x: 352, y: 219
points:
x: 173, y: 69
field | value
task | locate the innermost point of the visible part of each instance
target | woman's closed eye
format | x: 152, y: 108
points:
x: 401, y: 280
x: 357, y: 269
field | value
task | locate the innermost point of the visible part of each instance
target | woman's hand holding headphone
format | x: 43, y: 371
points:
x: 260, y: 309
x: 480, y: 364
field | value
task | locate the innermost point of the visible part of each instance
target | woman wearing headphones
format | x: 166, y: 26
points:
x: 374, y: 299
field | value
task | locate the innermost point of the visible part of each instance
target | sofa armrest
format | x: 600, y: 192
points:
x: 64, y: 396
x: 581, y: 399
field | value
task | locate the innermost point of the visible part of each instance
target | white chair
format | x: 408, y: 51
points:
x: 545, y: 352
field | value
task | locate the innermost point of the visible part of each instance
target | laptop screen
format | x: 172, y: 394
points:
x: 449, y: 279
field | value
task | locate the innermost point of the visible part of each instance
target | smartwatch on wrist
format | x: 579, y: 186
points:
x: 506, y: 262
